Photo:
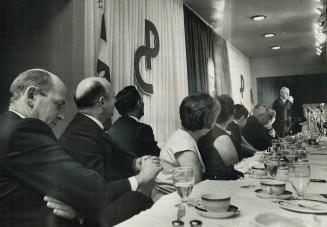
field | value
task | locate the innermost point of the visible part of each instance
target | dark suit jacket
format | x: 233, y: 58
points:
x: 256, y: 134
x: 283, y: 116
x: 88, y: 144
x: 133, y: 137
x: 32, y: 164
x: 214, y: 165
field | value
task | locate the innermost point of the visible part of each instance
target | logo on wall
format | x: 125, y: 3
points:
x: 242, y: 85
x: 149, y: 53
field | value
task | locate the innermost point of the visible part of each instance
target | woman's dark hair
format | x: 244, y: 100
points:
x: 240, y: 111
x: 127, y: 100
x: 198, y: 111
x: 226, y: 108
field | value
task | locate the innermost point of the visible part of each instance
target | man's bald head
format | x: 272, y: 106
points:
x: 37, y: 93
x: 90, y: 90
x: 39, y: 78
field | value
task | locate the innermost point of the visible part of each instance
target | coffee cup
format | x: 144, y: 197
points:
x: 259, y: 171
x: 273, y: 187
x: 216, y: 202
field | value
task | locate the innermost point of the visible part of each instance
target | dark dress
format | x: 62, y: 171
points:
x: 133, y: 137
x: 236, y: 138
x: 283, y: 116
x: 214, y: 165
x: 256, y: 134
x: 32, y: 164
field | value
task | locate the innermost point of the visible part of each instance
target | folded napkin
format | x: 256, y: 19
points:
x: 247, y: 164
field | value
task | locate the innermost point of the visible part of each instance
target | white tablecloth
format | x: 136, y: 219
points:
x: 164, y: 212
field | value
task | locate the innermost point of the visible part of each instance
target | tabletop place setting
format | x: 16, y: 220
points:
x: 282, y: 186
x: 289, y: 156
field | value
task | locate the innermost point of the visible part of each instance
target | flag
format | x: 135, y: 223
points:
x: 103, y: 69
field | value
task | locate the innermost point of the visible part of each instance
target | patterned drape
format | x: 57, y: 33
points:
x: 125, y: 22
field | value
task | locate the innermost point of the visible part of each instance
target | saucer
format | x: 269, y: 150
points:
x: 258, y: 176
x: 264, y: 195
x: 305, y: 206
x: 232, y: 211
x: 271, y: 219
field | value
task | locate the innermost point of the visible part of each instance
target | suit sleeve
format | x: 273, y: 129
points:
x: 146, y: 141
x: 37, y: 160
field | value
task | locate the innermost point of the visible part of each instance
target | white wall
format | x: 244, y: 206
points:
x: 239, y: 65
x: 287, y: 65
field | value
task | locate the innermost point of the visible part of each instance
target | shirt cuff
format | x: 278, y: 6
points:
x: 133, y: 182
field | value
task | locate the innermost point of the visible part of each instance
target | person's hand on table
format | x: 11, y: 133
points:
x: 60, y: 209
x: 149, y: 169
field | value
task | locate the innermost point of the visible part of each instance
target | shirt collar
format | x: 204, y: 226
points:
x: 136, y: 119
x: 19, y: 114
x: 235, y: 122
x: 99, y: 123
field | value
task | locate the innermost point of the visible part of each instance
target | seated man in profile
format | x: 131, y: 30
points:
x: 32, y: 163
x: 128, y: 134
x: 85, y: 139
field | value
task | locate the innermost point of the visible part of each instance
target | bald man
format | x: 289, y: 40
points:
x: 282, y: 106
x: 86, y: 141
x: 32, y: 163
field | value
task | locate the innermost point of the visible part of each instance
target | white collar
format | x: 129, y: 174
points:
x: 99, y: 123
x: 235, y: 122
x: 136, y: 119
x: 19, y: 114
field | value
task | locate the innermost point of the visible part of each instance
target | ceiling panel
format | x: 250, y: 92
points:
x: 291, y: 20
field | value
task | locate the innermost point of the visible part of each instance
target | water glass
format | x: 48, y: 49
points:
x: 299, y: 177
x: 271, y: 165
x: 183, y: 180
x: 275, y: 143
x: 290, y: 155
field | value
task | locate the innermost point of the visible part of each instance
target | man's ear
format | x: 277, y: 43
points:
x: 31, y: 93
x: 101, y: 101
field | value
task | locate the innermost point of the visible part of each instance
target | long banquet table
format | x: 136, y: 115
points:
x: 164, y: 211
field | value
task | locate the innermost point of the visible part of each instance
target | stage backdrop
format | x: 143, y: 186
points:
x: 125, y: 24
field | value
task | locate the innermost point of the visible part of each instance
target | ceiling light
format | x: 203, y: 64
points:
x: 276, y: 47
x: 269, y: 35
x: 258, y: 17
x: 318, y: 11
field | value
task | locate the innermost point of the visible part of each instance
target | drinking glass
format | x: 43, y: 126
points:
x: 299, y: 176
x: 275, y: 143
x: 316, y: 137
x: 271, y: 165
x: 183, y: 180
x: 290, y: 155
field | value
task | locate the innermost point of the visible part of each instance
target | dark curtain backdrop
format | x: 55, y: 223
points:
x: 199, y: 40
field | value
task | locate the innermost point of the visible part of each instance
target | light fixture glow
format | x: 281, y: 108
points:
x: 318, y: 11
x: 276, y: 47
x: 258, y: 17
x: 269, y: 35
